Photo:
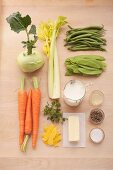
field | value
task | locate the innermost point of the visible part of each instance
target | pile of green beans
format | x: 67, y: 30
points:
x: 90, y: 65
x: 84, y: 39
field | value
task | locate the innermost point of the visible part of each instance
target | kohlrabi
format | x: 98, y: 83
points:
x: 30, y: 59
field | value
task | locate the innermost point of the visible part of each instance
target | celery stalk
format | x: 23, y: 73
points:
x: 56, y: 88
x: 51, y: 67
x: 49, y: 32
x: 53, y: 74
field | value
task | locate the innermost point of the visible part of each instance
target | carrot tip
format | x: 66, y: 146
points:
x: 33, y: 146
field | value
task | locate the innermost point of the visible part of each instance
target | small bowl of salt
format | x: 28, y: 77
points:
x: 97, y: 135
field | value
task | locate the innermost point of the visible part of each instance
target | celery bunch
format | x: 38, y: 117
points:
x: 48, y: 32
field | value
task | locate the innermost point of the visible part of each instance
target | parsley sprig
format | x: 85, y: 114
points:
x: 53, y: 112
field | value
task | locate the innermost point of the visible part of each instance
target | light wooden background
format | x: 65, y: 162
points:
x: 79, y: 13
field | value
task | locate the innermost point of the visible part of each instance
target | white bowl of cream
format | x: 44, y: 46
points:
x: 74, y: 92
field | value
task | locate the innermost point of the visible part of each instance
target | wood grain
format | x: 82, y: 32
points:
x: 56, y: 164
x: 79, y: 13
x: 58, y: 2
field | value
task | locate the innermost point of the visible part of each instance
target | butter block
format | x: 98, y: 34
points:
x: 73, y: 129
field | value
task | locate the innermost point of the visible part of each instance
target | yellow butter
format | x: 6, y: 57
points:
x: 73, y: 129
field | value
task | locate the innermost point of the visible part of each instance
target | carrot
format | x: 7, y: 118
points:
x: 36, y: 97
x: 28, y: 119
x: 28, y: 122
x: 22, y: 101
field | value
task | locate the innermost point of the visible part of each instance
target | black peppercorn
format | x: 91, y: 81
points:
x: 96, y: 116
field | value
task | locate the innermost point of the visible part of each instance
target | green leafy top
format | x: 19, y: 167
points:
x: 18, y: 24
x: 59, y: 23
x: 53, y: 112
x: 46, y: 29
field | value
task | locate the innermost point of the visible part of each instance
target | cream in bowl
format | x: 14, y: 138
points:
x: 74, y: 92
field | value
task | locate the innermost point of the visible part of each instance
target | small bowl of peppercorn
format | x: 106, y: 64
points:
x: 96, y: 116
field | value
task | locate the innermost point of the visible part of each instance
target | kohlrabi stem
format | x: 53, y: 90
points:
x: 27, y: 34
x: 29, y: 47
x: 29, y: 50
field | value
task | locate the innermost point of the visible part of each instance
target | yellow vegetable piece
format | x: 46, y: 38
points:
x: 46, y: 128
x: 57, y: 138
x: 56, y: 145
x: 48, y: 132
x: 56, y: 141
x: 45, y: 142
x: 43, y: 139
x: 51, y: 136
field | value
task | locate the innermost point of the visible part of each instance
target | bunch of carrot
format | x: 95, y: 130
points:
x: 28, y: 108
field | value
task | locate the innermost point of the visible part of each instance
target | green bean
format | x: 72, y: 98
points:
x: 82, y: 39
x: 78, y: 33
x: 89, y: 45
x: 81, y: 45
x: 77, y: 43
x: 100, y: 32
x: 95, y: 27
x: 75, y: 34
x: 78, y: 46
x: 95, y: 43
x: 89, y: 28
x: 81, y: 36
x: 73, y: 42
x: 85, y: 41
x: 86, y: 38
x: 85, y: 48
x: 70, y: 27
x: 98, y: 39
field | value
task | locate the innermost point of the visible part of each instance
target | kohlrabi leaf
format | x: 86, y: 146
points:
x: 17, y: 22
x: 32, y: 30
x: 35, y: 38
x: 24, y: 42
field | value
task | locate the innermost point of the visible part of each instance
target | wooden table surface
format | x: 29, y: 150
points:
x: 79, y: 13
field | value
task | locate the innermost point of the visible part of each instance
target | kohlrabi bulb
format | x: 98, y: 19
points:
x: 30, y: 63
